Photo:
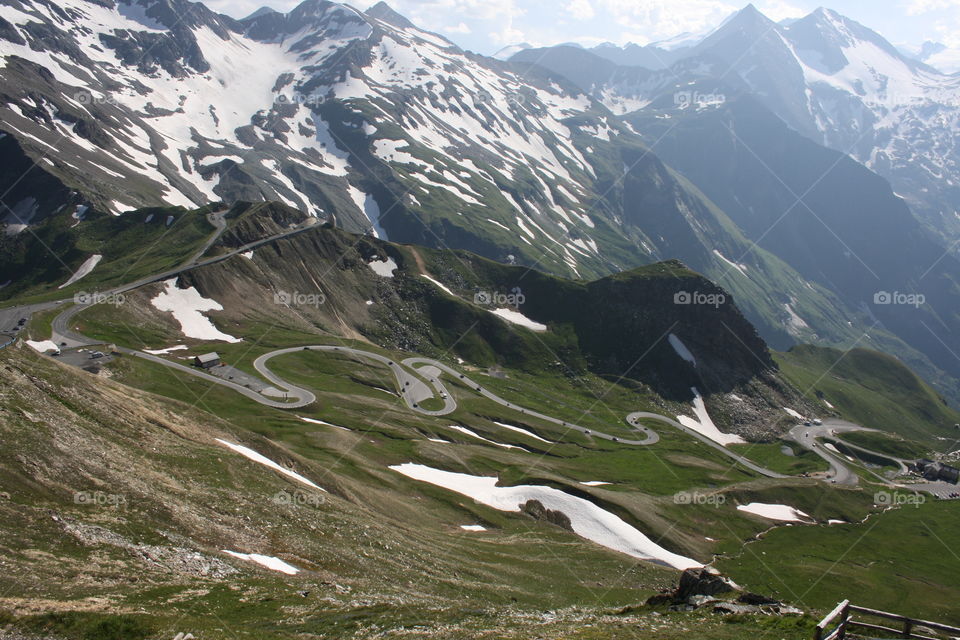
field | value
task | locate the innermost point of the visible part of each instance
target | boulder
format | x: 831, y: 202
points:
x: 536, y: 510
x: 758, y: 600
x: 703, y: 582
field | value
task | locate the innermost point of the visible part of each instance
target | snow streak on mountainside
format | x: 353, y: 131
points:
x: 168, y: 102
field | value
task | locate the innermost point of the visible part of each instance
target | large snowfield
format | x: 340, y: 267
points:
x: 187, y: 307
x: 588, y: 520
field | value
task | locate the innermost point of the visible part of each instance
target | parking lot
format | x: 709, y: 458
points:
x: 83, y: 358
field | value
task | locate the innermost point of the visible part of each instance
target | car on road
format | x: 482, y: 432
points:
x: 96, y: 354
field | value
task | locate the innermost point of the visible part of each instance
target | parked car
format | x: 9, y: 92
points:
x: 96, y: 354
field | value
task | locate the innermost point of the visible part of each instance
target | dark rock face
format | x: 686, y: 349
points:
x: 702, y: 582
x: 757, y: 600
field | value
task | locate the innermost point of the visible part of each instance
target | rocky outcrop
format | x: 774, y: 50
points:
x: 536, y: 510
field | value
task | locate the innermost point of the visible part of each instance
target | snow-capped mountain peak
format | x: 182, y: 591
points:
x: 343, y: 114
x: 383, y: 11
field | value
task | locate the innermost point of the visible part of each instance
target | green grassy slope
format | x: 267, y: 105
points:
x: 872, y: 389
x: 132, y: 248
x: 378, y: 553
x: 903, y: 561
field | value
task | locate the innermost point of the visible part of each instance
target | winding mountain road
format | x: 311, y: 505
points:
x: 807, y: 437
x: 414, y: 391
x: 62, y: 332
x: 704, y: 439
x: 417, y: 378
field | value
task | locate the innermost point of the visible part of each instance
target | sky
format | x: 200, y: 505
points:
x: 485, y: 26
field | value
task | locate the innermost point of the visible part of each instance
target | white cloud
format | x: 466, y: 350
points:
x: 667, y: 18
x: 919, y: 7
x: 460, y: 28
x: 508, y: 35
x: 778, y: 10
x: 581, y: 9
x: 466, y: 10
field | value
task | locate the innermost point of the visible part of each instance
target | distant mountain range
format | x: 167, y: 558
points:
x: 828, y: 77
x: 759, y: 155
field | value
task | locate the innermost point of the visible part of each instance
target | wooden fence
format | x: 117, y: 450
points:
x: 840, y: 621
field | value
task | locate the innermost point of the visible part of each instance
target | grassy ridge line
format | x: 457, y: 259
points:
x: 132, y: 248
x: 871, y: 389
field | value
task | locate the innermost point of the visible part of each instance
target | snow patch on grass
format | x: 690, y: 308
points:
x: 529, y: 434
x: 43, y: 346
x: 440, y: 285
x: 270, y: 562
x: 587, y: 519
x: 793, y: 413
x: 84, y: 269
x: 476, y: 435
x: 267, y: 462
x: 517, y: 318
x: 780, y: 512
x: 163, y: 352
x: 187, y: 307
x: 321, y: 422
x: 384, y: 268
x: 704, y: 425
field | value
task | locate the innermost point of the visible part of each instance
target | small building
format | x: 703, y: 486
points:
x: 949, y: 474
x: 207, y: 360
x: 936, y: 471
